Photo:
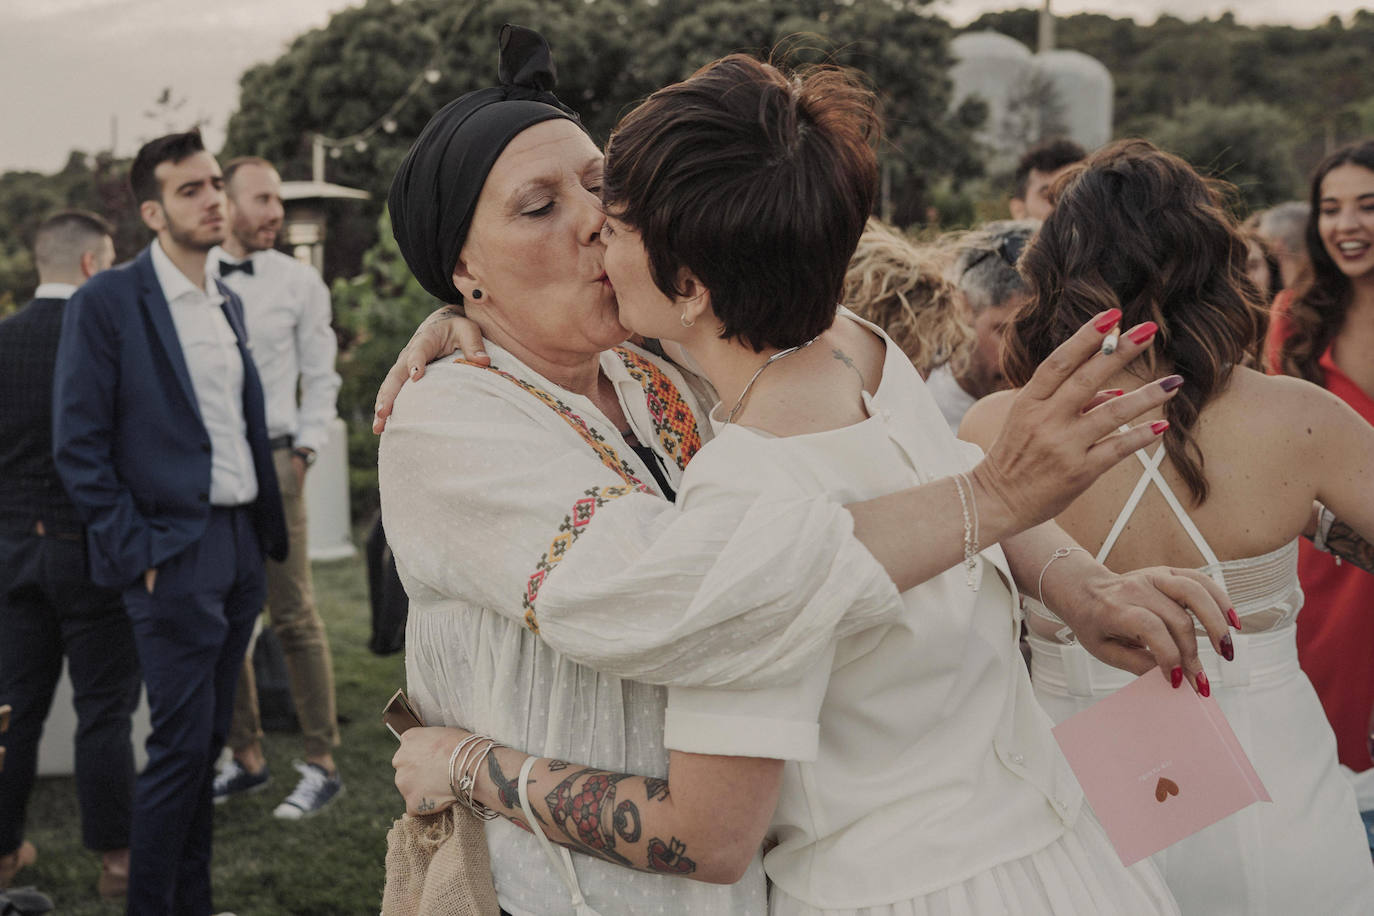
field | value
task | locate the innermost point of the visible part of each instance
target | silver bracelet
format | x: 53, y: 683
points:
x: 453, y: 760
x: 1325, y: 519
x: 971, y: 531
x: 469, y: 782
x: 1059, y: 554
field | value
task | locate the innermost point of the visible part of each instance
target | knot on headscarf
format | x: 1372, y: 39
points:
x: 435, y: 190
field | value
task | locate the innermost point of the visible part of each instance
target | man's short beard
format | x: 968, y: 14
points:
x: 247, y: 240
x: 187, y: 239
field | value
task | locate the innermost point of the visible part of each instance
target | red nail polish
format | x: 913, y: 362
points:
x: 1158, y: 426
x: 1169, y: 383
x: 1228, y: 648
x: 1108, y: 320
x: 1203, y: 687
x: 1113, y: 392
x: 1231, y: 618
x: 1176, y: 677
x: 1142, y: 332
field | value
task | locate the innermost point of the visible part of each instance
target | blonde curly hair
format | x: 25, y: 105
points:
x: 901, y: 286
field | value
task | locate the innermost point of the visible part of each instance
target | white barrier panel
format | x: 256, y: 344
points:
x: 326, y: 499
x: 57, y: 749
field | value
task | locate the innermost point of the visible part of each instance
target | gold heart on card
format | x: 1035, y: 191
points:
x: 1164, y: 788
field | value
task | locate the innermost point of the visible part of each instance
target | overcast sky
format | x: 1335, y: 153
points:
x: 68, y: 66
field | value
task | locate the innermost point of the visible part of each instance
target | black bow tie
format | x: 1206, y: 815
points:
x: 228, y: 267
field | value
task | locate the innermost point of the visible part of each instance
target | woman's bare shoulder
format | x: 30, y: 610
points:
x: 985, y: 418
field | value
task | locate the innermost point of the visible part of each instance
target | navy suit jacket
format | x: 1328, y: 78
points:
x: 128, y: 439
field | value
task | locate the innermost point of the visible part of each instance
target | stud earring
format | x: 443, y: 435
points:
x: 687, y: 322
x: 476, y: 293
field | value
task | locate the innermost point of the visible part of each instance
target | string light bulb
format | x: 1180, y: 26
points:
x: 432, y: 75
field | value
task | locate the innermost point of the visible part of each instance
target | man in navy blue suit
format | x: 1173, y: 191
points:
x: 160, y: 438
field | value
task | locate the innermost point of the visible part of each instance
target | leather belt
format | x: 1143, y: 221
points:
x: 285, y: 441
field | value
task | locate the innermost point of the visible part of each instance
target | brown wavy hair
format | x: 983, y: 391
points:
x: 1323, y: 292
x: 1138, y: 229
x: 900, y: 286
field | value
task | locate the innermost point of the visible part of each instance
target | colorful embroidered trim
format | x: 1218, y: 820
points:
x: 591, y: 500
x: 568, y: 533
x: 674, y: 422
x: 593, y: 438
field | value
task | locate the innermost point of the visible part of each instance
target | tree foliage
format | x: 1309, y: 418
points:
x: 1246, y: 144
x: 610, y: 54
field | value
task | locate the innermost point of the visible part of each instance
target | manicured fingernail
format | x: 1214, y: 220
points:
x: 1231, y: 618
x: 1228, y: 649
x: 1158, y: 426
x: 480, y: 354
x: 1171, y: 382
x: 1107, y: 320
x: 1113, y: 393
x: 1203, y: 687
x: 1176, y: 677
x: 1142, y: 332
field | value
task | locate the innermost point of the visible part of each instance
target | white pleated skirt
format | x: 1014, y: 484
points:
x: 1077, y: 875
x: 1306, y: 852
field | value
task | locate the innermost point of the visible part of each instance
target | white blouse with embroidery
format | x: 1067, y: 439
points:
x: 487, y: 477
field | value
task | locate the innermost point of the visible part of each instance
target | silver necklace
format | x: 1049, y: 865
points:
x: 766, y: 363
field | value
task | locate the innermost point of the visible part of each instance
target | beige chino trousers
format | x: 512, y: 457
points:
x: 297, y: 625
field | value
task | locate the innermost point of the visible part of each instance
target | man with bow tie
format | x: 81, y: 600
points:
x: 160, y: 438
x: 287, y: 309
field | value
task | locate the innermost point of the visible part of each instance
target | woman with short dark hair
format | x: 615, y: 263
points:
x: 1229, y: 491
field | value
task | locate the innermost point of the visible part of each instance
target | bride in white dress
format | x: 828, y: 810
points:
x: 1229, y: 491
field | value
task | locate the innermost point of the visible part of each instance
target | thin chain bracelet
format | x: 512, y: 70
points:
x: 1059, y: 554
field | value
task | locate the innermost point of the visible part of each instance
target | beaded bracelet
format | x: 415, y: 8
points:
x: 971, y: 529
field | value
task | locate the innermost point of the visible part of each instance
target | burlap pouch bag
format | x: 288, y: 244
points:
x: 438, y: 865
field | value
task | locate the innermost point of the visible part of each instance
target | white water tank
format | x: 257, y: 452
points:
x: 1084, y: 89
x: 991, y: 66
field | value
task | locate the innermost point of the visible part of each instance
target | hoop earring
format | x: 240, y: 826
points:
x: 476, y: 293
x: 687, y: 322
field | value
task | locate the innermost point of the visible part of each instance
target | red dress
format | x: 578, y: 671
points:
x: 1336, y: 626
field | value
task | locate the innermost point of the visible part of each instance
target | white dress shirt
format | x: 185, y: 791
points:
x: 54, y: 291
x: 215, y: 365
x: 287, y: 310
x: 952, y: 399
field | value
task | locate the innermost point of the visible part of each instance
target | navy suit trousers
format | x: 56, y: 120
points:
x: 192, y: 632
x: 50, y: 609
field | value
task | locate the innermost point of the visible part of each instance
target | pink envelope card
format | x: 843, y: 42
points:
x: 1157, y: 764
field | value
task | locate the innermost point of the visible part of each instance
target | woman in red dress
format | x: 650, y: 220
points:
x: 1323, y: 331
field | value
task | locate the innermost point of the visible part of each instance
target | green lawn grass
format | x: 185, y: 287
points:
x: 328, y: 865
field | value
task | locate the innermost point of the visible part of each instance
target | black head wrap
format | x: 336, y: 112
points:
x: 435, y: 190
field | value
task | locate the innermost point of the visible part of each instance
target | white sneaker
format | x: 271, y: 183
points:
x: 315, y: 790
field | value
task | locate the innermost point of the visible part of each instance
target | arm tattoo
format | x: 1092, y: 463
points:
x: 1343, y: 541
x: 507, y: 789
x: 627, y: 821
x: 655, y: 788
x: 426, y: 805
x: 669, y: 858
x: 844, y: 358
x: 582, y: 807
x: 556, y: 765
